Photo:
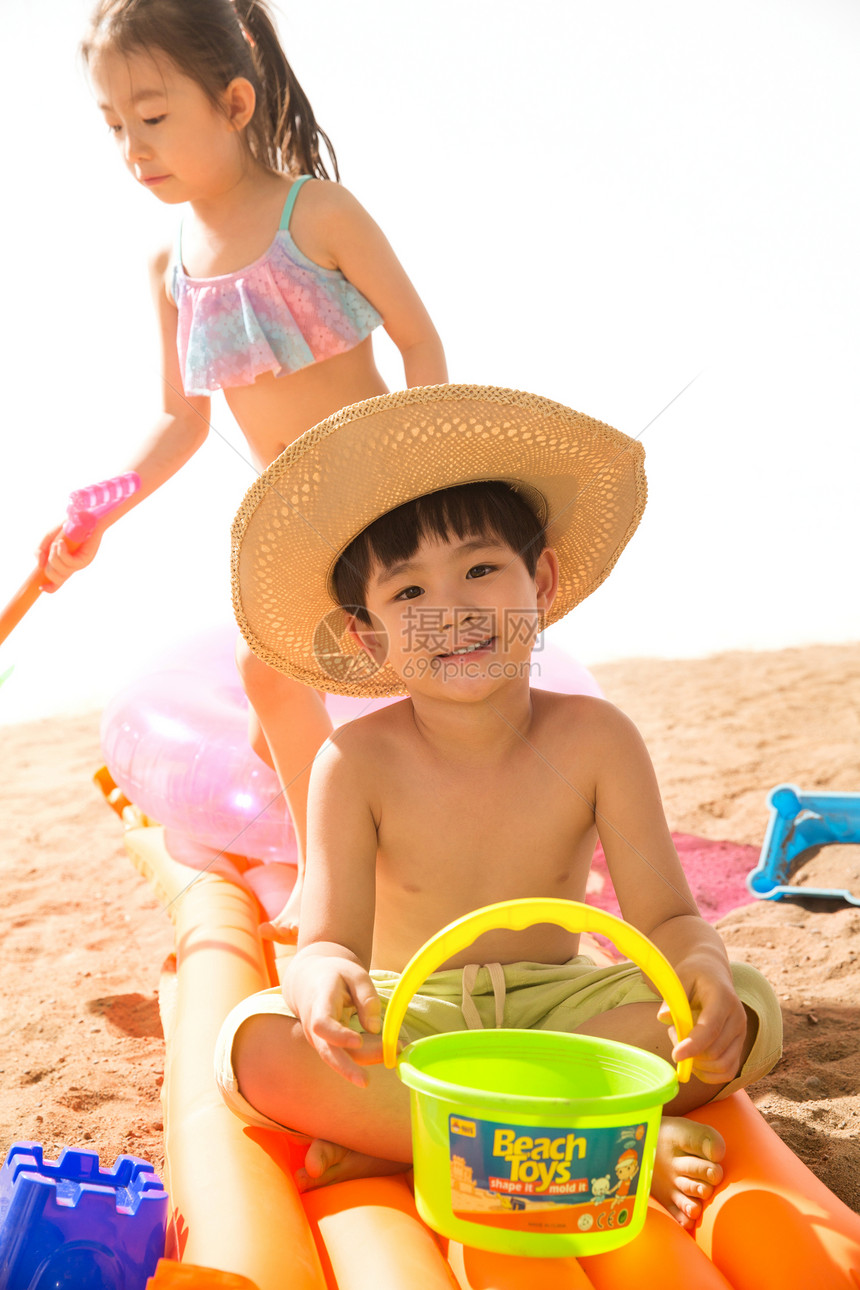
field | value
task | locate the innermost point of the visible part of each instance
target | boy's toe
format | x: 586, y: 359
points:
x: 695, y: 1176
x: 687, y: 1167
x: 684, y: 1211
x: 321, y: 1161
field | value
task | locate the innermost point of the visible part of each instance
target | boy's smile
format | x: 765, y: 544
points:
x: 482, y: 645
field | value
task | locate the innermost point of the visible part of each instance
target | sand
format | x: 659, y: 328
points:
x: 83, y: 939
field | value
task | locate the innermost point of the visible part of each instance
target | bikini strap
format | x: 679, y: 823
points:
x: 291, y: 200
x: 174, y: 265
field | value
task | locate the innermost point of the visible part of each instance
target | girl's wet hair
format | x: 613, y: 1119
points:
x: 212, y: 42
x: 488, y: 509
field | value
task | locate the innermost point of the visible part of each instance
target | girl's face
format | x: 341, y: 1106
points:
x: 173, y: 139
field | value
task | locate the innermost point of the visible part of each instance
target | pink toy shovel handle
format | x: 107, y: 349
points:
x: 86, y: 507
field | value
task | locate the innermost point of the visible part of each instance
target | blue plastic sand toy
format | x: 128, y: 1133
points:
x: 799, y: 821
x: 71, y: 1223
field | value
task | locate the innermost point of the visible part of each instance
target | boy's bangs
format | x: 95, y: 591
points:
x: 489, y: 509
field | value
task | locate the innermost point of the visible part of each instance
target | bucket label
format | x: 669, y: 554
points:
x: 545, y: 1180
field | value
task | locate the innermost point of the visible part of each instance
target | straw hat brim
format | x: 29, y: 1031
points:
x: 585, y: 480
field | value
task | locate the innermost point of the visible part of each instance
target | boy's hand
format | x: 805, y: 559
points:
x: 324, y: 992
x: 716, y: 1041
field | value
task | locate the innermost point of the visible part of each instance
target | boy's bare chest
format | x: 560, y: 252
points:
x: 455, y: 843
x: 448, y: 823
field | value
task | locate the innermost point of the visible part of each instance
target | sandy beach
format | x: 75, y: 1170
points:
x: 84, y: 939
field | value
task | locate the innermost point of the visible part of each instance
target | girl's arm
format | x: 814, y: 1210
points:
x: 328, y: 980
x: 178, y: 433
x: 335, y: 230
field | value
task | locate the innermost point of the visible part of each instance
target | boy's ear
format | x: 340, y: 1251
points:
x: 372, y: 638
x: 240, y: 100
x: 546, y: 578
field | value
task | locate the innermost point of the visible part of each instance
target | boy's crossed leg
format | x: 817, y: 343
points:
x: 687, y: 1165
x: 360, y: 1132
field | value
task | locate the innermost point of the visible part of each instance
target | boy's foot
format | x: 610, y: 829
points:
x: 327, y: 1162
x: 687, y: 1167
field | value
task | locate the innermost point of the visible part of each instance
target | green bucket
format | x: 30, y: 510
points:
x: 531, y: 1141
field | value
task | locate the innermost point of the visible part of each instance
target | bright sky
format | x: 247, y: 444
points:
x: 599, y: 203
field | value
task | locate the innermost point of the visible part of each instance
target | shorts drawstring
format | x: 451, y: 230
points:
x: 471, y: 1016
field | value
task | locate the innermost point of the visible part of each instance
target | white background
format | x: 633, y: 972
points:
x: 598, y: 202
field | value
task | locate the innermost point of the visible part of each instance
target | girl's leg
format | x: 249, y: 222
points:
x: 288, y: 724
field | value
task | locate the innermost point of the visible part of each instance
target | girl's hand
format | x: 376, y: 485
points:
x: 325, y: 992
x: 58, y: 562
x: 716, y: 1041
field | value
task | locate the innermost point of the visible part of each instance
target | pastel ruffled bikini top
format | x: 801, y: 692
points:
x: 276, y: 315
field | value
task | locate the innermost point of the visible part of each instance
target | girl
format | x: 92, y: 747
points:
x: 276, y: 281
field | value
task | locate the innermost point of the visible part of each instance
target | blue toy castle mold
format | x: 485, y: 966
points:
x: 799, y: 821
x: 73, y: 1224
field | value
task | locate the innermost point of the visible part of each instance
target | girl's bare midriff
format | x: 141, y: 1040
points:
x: 275, y: 410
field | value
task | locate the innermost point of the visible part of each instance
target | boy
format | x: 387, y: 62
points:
x: 451, y: 524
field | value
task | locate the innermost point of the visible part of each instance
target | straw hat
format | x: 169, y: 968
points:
x: 585, y: 480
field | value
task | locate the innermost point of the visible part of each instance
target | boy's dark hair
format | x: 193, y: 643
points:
x: 212, y: 42
x: 489, y: 508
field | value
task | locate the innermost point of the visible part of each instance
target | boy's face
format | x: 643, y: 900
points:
x: 459, y: 618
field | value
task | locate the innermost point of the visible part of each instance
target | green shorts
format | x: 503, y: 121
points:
x: 521, y: 996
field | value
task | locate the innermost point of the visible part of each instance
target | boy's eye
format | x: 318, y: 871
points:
x: 409, y: 593
x: 154, y: 120
x: 114, y: 129
x: 481, y: 570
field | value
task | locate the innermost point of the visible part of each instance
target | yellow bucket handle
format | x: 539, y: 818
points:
x: 516, y: 915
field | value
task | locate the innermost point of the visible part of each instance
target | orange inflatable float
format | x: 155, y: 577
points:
x: 771, y: 1226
